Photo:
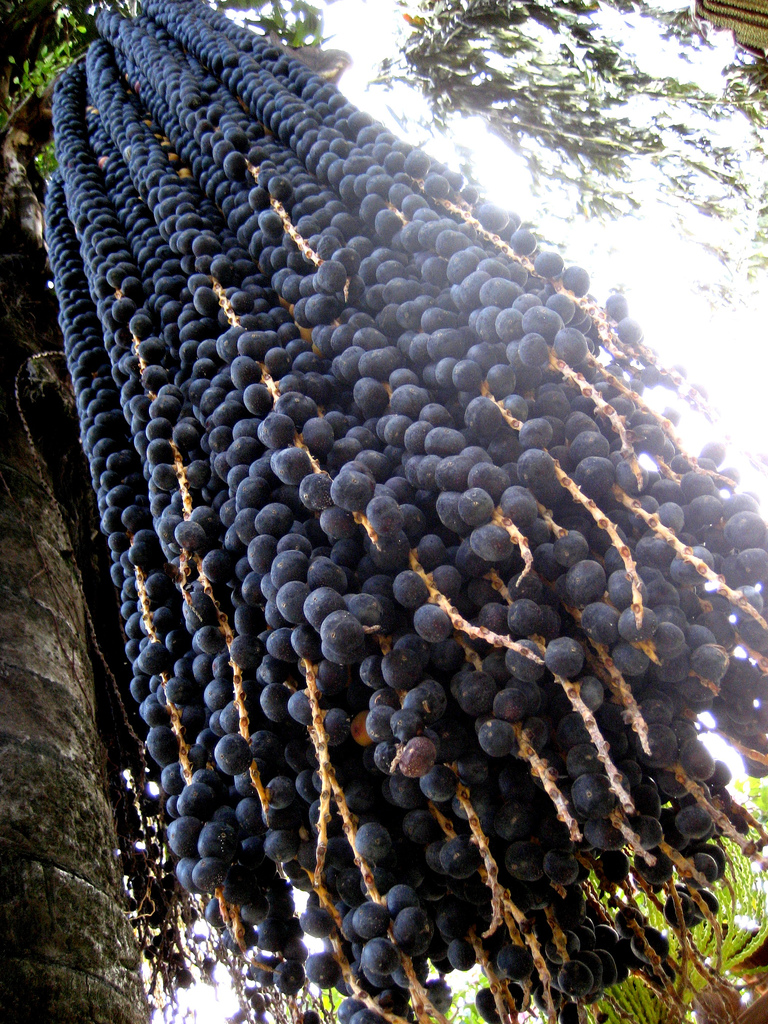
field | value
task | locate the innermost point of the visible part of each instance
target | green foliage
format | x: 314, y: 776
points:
x: 295, y: 22
x: 583, y: 92
x: 40, y: 39
x: 753, y: 793
x: 45, y: 161
x: 744, y: 925
x: 464, y: 987
x: 51, y: 59
x: 43, y: 37
x: 635, y: 998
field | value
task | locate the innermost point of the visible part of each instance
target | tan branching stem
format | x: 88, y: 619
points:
x: 173, y: 712
x: 520, y: 539
x: 544, y: 773
x: 181, y: 476
x: 686, y: 951
x: 420, y: 1001
x: 141, y: 362
x: 298, y: 441
x: 362, y: 520
x: 324, y: 816
x: 760, y: 659
x: 650, y: 954
x: 237, y: 674
x: 398, y: 213
x: 470, y: 655
x: 604, y: 409
x: 620, y: 823
x: 648, y: 647
x: 610, y: 893
x: 747, y: 846
x: 301, y: 243
x: 178, y: 462
x: 666, y: 470
x: 464, y: 212
x: 445, y: 823
x: 178, y: 732
x: 320, y: 743
x: 502, y: 905
x: 690, y: 394
x: 573, y: 692
x: 608, y: 337
x: 666, y: 424
x: 689, y: 950
x: 338, y: 953
x: 499, y: 990
x: 714, y: 925
x: 655, y: 902
x: 491, y: 868
x: 357, y: 990
x: 237, y: 683
x: 498, y: 585
x: 735, y: 597
x: 604, y: 667
x: 611, y: 342
x: 558, y: 934
x: 224, y: 627
x: 605, y: 524
x: 460, y: 623
x: 184, y: 571
x: 753, y: 755
x: 688, y: 869
x: 419, y: 997
x: 237, y: 926
x: 749, y: 820
x: 689, y: 947
x: 511, y: 420
x: 554, y: 528
x: 234, y: 320
x: 253, y: 770
x: 591, y: 893
x: 384, y: 641
x: 230, y: 914
x: 594, y: 510
x: 146, y: 609
x: 350, y: 831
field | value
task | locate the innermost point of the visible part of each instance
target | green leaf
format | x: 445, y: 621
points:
x: 743, y: 920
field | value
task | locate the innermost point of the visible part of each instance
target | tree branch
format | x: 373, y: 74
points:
x: 28, y: 130
x: 756, y: 1013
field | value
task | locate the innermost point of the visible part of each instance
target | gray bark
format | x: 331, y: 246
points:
x: 67, y: 949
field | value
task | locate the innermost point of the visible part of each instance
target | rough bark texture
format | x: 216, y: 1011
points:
x: 67, y: 950
x: 24, y: 135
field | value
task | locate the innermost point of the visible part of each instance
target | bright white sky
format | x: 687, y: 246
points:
x: 669, y: 267
x: 665, y: 264
x: 668, y: 263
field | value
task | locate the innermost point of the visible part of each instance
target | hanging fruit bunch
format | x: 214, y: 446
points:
x: 423, y: 600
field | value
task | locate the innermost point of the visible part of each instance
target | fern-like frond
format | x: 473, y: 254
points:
x: 743, y: 920
x: 637, y: 1001
x: 743, y: 916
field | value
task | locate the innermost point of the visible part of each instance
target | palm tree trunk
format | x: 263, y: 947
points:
x: 67, y: 950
